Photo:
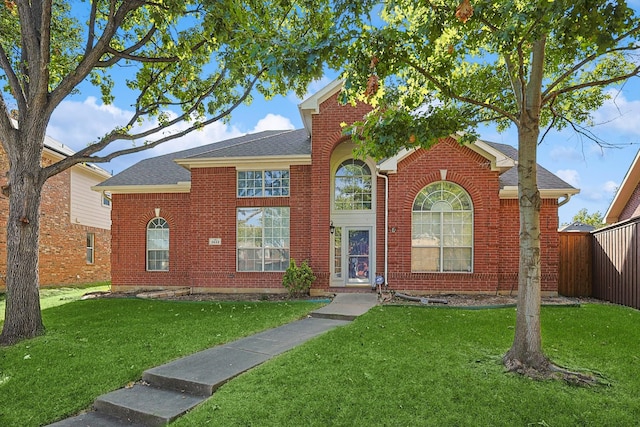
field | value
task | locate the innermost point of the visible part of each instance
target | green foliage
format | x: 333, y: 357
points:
x: 298, y: 279
x: 96, y: 346
x: 423, y: 58
x: 417, y: 366
x: 596, y: 219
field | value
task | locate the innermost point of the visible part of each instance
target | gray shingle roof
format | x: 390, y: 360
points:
x: 163, y: 170
x: 546, y: 179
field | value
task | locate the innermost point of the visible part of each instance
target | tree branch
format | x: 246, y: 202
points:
x: 14, y: 82
x: 457, y: 97
x: 85, y: 155
x: 91, y: 33
x: 571, y: 71
x: 604, y: 82
x: 86, y: 65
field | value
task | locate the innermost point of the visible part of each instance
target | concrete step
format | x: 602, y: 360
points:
x: 146, y: 405
x: 202, y: 373
x: 94, y: 419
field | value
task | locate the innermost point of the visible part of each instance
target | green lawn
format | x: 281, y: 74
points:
x: 394, y: 366
x: 414, y: 366
x: 54, y: 296
x: 95, y: 346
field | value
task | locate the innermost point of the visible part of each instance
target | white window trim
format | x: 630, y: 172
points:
x: 147, y: 250
x: 263, y: 189
x: 441, y: 246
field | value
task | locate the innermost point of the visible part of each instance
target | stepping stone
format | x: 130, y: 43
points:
x: 146, y: 405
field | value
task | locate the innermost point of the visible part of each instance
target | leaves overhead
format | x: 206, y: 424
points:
x: 192, y: 60
x: 475, y: 58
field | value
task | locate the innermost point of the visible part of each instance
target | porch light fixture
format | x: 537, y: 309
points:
x: 332, y: 228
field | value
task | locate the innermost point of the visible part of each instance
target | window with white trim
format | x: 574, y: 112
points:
x: 90, y: 248
x: 263, y: 183
x: 158, y: 245
x: 106, y: 198
x: 263, y: 239
x: 442, y: 229
x: 353, y: 189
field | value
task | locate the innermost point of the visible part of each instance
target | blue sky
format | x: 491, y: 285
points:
x: 596, y: 171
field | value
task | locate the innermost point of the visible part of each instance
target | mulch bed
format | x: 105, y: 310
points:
x: 452, y: 300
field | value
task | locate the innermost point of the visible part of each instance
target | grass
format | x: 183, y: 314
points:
x: 94, y: 346
x: 407, y: 366
x: 54, y: 296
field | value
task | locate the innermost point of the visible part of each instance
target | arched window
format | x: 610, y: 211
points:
x: 442, y: 229
x: 158, y: 245
x: 352, y: 186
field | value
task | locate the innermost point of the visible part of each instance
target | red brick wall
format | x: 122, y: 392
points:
x: 632, y: 208
x: 210, y: 212
x: 327, y: 134
x: 472, y: 172
x: 130, y: 215
x: 509, y: 247
x: 62, y: 243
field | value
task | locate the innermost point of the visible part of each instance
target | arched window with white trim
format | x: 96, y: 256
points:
x: 442, y: 229
x: 158, y: 245
x: 353, y: 186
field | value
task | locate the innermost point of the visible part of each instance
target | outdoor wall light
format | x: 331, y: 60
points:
x: 332, y: 228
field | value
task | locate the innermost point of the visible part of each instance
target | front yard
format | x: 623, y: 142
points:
x: 395, y: 366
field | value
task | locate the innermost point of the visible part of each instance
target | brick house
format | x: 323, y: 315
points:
x: 227, y: 217
x: 75, y: 241
x: 626, y: 202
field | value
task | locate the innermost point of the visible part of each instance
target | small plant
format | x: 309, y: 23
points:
x: 298, y: 280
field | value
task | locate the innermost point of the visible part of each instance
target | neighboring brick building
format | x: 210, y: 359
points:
x: 626, y: 203
x: 75, y: 241
x: 228, y: 216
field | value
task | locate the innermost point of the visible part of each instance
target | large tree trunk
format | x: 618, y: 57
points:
x: 526, y: 355
x: 526, y: 352
x: 23, y: 318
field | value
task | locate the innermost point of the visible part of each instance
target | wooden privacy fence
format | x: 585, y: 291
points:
x: 575, y: 264
x: 616, y: 272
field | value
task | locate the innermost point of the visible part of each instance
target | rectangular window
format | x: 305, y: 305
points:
x: 263, y: 239
x: 106, y: 198
x: 263, y: 183
x: 90, y: 248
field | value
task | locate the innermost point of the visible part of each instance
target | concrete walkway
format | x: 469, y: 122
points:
x: 168, y: 391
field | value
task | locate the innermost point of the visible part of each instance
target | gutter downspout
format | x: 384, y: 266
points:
x: 567, y: 197
x: 386, y: 223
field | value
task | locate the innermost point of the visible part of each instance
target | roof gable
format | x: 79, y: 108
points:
x: 625, y: 191
x: 311, y: 105
x: 172, y: 169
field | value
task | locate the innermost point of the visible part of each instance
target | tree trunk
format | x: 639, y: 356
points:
x: 526, y: 354
x: 23, y: 318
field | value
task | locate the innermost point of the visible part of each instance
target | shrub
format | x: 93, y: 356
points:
x: 298, y: 280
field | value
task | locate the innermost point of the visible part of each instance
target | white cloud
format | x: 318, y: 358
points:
x: 563, y: 153
x: 601, y: 192
x: 78, y: 123
x: 618, y: 114
x: 610, y: 187
x: 273, y: 122
x: 570, y: 176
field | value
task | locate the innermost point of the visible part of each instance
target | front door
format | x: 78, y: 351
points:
x: 352, y: 256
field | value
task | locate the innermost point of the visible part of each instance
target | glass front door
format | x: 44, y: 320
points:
x: 358, y: 256
x: 352, y: 256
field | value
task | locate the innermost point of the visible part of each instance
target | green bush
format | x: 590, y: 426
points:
x: 298, y: 280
